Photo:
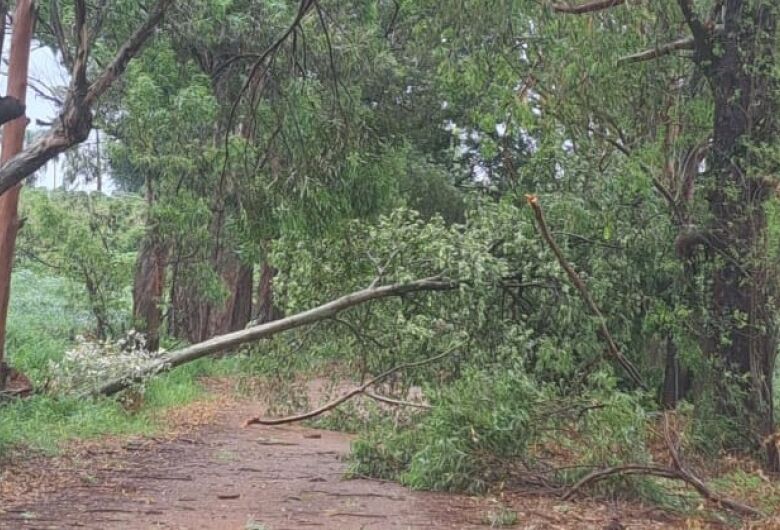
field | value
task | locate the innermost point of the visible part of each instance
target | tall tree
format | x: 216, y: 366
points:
x: 13, y: 141
x: 74, y: 122
x: 734, y: 47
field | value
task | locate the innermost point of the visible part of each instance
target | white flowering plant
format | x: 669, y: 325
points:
x: 92, y: 362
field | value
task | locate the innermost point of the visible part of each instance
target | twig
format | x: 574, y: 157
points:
x: 399, y: 402
x: 349, y: 395
x: 629, y: 469
x: 614, y: 351
x: 381, y: 269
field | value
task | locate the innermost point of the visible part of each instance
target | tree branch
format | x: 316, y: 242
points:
x: 590, y: 7
x: 575, y: 279
x: 701, y: 35
x: 678, y: 472
x: 128, y: 50
x: 10, y: 109
x: 349, y: 395
x: 236, y: 338
x: 59, y: 34
x: 398, y: 402
x: 75, y: 120
x: 685, y: 43
x: 79, y: 68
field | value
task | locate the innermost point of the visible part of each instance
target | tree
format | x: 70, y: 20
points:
x: 734, y: 49
x: 75, y: 118
x: 13, y: 140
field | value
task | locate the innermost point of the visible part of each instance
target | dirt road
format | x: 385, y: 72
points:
x: 221, y: 476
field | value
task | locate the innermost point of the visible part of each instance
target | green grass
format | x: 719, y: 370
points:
x: 42, y: 324
x: 42, y: 321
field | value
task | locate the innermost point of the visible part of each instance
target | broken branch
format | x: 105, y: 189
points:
x: 236, y: 338
x: 349, y: 395
x: 575, y: 279
x: 398, y: 402
x: 685, y: 43
x: 678, y: 472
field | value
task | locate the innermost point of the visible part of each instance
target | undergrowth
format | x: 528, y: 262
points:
x: 43, y: 324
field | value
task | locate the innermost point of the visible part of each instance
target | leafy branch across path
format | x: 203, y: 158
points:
x: 236, y: 338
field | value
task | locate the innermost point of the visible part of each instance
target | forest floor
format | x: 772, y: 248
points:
x: 208, y: 472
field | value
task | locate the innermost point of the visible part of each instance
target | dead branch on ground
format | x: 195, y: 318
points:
x: 677, y: 472
x: 589, y: 7
x: 349, y: 395
x: 398, y: 402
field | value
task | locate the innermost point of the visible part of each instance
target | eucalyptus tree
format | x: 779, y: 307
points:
x: 621, y: 98
x: 94, y: 63
x: 298, y: 133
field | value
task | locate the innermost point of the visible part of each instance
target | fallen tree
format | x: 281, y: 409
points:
x: 224, y: 342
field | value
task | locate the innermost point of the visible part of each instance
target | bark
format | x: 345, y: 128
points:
x: 266, y: 308
x: 744, y: 335
x: 236, y: 311
x: 148, y: 286
x: 13, y: 141
x: 196, y: 319
x: 236, y: 338
x: 677, y: 378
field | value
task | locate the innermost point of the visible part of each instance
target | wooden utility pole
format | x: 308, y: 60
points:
x: 13, y: 141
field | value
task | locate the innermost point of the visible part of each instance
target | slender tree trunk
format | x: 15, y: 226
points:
x: 677, y: 379
x: 148, y: 287
x: 13, y: 141
x: 235, y: 312
x: 149, y: 279
x: 266, y: 308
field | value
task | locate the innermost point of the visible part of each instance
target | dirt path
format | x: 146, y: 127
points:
x: 220, y: 476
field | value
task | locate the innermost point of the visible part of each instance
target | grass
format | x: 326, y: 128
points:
x: 42, y: 324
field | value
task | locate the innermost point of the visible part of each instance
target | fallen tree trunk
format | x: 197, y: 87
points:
x: 236, y: 338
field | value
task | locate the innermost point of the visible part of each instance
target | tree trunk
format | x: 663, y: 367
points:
x: 743, y: 336
x: 234, y: 313
x: 148, y: 286
x: 13, y: 141
x: 677, y: 379
x: 196, y: 319
x: 149, y: 279
x: 266, y: 308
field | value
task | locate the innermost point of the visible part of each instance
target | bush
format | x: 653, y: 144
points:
x: 491, y: 427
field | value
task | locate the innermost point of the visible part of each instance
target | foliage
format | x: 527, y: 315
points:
x: 489, y: 428
x: 89, y: 363
x: 88, y: 239
x: 392, y: 141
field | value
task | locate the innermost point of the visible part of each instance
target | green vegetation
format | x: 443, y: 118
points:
x: 43, y: 322
x: 602, y: 228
